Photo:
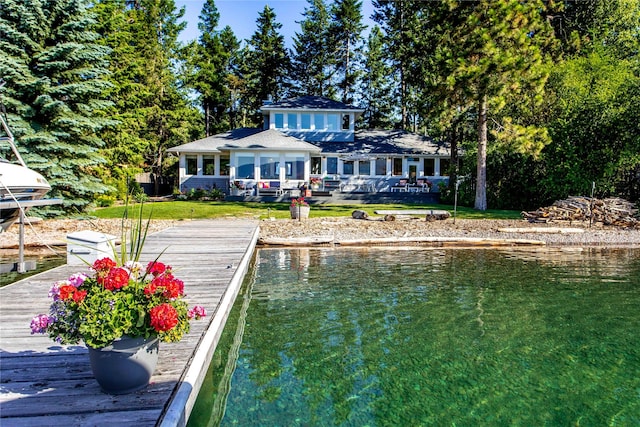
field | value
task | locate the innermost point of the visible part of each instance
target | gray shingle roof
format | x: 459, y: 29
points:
x: 211, y: 143
x: 380, y: 142
x: 310, y: 102
x: 245, y: 139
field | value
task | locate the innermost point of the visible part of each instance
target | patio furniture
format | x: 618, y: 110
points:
x: 402, y: 186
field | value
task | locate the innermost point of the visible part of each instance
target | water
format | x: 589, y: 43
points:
x: 42, y: 263
x: 386, y: 337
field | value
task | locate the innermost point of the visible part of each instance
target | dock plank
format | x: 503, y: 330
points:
x: 37, y: 375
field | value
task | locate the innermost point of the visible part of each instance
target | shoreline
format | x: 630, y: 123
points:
x: 347, y: 231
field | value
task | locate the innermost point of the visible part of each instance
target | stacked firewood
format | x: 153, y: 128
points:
x: 611, y: 211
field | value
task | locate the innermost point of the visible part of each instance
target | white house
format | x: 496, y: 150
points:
x: 310, y: 139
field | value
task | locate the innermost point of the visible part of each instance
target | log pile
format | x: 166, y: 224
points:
x: 611, y: 211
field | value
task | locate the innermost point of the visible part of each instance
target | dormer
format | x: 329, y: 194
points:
x: 312, y: 118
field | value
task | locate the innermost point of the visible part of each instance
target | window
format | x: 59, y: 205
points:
x: 345, y: 122
x: 192, y: 165
x: 445, y: 167
x: 364, y: 167
x: 316, y: 165
x: 332, y: 122
x: 305, y: 121
x: 209, y: 165
x: 269, y: 168
x: 295, y: 167
x: 429, y: 167
x: 381, y: 167
x: 397, y: 166
x: 292, y: 121
x: 332, y: 165
x: 224, y: 166
x: 279, y: 120
x: 245, y: 167
x: 347, y: 167
x: 319, y: 121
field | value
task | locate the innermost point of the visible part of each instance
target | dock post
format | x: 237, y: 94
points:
x: 21, y: 265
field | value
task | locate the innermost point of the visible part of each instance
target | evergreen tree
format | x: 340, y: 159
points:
x: 267, y: 63
x: 398, y: 20
x: 377, y: 84
x: 312, y: 62
x: 151, y: 109
x: 345, y: 35
x: 212, y: 58
x: 489, y: 54
x: 55, y: 74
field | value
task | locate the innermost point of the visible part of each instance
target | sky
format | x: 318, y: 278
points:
x: 241, y: 16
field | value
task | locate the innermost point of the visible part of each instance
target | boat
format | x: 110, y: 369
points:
x: 19, y: 185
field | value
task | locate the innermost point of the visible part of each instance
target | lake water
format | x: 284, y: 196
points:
x: 406, y: 337
x: 41, y: 263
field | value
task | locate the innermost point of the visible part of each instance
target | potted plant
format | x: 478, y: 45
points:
x: 315, y: 183
x: 299, y: 208
x: 120, y: 310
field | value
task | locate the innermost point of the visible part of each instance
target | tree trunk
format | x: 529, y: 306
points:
x: 481, y: 180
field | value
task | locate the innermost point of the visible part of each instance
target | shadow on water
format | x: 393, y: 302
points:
x: 9, y: 274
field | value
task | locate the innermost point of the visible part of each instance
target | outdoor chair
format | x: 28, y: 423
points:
x: 401, y: 185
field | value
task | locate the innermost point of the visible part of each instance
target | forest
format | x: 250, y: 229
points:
x: 541, y: 98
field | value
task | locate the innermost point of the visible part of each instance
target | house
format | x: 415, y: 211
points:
x: 312, y: 140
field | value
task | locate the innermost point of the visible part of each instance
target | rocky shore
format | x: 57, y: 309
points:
x: 349, y: 231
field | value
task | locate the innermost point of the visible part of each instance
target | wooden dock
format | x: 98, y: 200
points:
x: 42, y: 383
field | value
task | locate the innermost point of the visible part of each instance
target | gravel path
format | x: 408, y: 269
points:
x: 403, y: 230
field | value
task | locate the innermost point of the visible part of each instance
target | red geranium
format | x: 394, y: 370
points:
x: 117, y: 278
x: 156, y: 268
x: 79, y: 296
x: 163, y: 317
x: 102, y: 267
x: 66, y: 292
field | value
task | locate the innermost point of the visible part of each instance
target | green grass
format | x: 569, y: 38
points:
x: 177, y: 210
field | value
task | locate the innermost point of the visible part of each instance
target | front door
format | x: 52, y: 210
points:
x: 413, y: 172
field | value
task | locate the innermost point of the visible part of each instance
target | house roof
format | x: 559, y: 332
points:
x: 245, y: 139
x: 211, y: 143
x: 310, y: 103
x: 379, y: 142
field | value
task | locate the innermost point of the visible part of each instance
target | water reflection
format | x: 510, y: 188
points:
x: 41, y: 264
x: 430, y: 336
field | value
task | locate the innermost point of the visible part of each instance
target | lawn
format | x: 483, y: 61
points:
x: 201, y: 210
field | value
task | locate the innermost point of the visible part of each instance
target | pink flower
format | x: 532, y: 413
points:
x: 40, y: 323
x: 77, y: 279
x: 198, y: 311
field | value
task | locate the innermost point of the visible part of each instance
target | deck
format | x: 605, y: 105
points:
x: 42, y: 383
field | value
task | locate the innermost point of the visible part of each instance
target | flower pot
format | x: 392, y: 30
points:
x: 126, y: 365
x: 299, y: 212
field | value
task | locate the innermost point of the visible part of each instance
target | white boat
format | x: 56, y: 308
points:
x: 18, y: 183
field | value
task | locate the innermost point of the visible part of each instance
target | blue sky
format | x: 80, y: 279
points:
x: 241, y: 16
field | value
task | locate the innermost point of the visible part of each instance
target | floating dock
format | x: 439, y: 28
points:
x: 43, y: 383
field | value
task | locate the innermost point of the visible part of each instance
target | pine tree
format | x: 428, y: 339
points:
x: 151, y: 109
x: 312, y: 62
x: 345, y: 35
x: 267, y: 63
x: 212, y: 59
x: 488, y: 53
x: 398, y: 20
x: 377, y: 84
x: 55, y: 74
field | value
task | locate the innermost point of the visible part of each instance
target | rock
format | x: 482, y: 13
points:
x: 438, y: 215
x: 389, y: 217
x: 358, y: 214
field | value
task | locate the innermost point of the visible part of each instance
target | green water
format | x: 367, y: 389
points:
x: 427, y: 337
x: 41, y: 264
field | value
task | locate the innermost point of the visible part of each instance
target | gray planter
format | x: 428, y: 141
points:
x: 126, y: 365
x: 299, y: 212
